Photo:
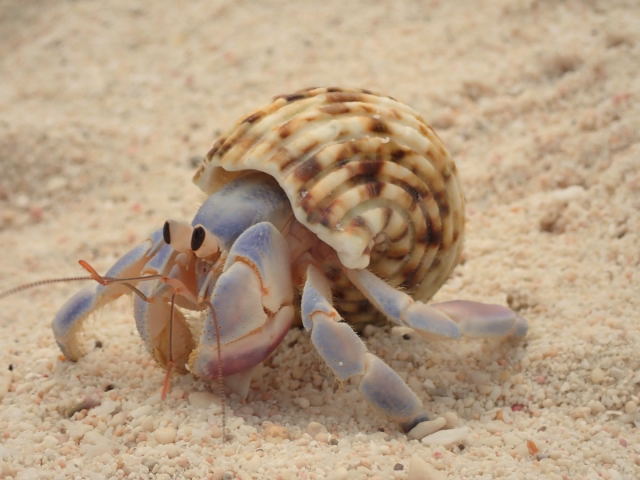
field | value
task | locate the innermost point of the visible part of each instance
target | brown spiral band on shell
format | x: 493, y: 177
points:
x: 364, y: 172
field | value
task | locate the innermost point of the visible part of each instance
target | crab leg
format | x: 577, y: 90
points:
x: 252, y: 303
x: 68, y: 321
x: 448, y: 319
x: 344, y: 352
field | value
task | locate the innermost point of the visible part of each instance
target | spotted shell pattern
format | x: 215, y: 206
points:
x: 362, y: 171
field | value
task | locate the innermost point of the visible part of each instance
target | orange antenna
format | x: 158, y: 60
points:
x: 93, y: 275
x: 39, y: 283
x: 92, y: 272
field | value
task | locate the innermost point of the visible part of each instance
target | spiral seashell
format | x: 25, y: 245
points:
x: 362, y: 171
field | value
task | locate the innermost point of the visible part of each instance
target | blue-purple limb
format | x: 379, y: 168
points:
x: 68, y: 321
x: 484, y: 319
x: 252, y: 303
x: 347, y: 356
x: 447, y: 319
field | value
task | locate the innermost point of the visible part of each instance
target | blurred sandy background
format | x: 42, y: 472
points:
x: 107, y: 106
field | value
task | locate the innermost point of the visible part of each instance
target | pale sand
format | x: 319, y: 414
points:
x: 104, y: 110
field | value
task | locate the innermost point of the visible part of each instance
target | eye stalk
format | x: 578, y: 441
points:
x: 177, y: 234
x: 204, y: 243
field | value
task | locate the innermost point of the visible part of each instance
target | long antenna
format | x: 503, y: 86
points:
x: 93, y: 275
x: 38, y: 283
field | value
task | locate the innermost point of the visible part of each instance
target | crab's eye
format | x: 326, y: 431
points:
x: 197, y: 237
x: 203, y: 242
x: 166, y: 233
x: 177, y: 234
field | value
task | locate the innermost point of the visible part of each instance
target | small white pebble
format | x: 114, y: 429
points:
x: 106, y: 408
x: 50, y: 441
x: 447, y: 437
x: 596, y: 407
x: 597, y: 375
x: 580, y: 412
x: 95, y: 444
x: 630, y: 407
x: 147, y: 424
x: 302, y: 402
x: 495, y: 427
x: 339, y: 473
x: 429, y: 385
x: 165, y: 435
x: 55, y: 183
x: 118, y: 419
x: 21, y: 201
x: 172, y: 451
x: 511, y: 439
x: 201, y: 399
x: 480, y: 378
x: 614, y: 474
x: 400, y: 331
x: 426, y: 428
x: 274, y: 430
x: 484, y: 389
x: 421, y: 470
x: 314, y: 428
x: 141, y: 411
x: 369, y: 331
x: 77, y: 430
x: 521, y: 450
x: 507, y: 414
x: 93, y: 437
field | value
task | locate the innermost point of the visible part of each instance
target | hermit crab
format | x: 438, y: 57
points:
x: 325, y: 206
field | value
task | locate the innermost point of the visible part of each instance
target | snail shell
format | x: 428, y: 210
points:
x: 362, y: 171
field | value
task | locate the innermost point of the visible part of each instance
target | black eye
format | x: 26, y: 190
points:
x: 197, y: 238
x: 166, y: 234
